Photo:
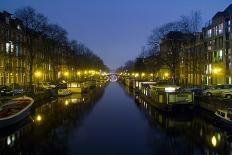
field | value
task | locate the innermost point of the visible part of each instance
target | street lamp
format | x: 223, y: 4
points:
x: 37, y: 75
x: 216, y: 72
x: 66, y: 74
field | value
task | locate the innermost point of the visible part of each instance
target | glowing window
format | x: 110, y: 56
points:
x: 220, y: 54
x: 7, y: 47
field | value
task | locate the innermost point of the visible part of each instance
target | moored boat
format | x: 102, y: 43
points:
x: 225, y: 116
x: 167, y: 97
x: 15, y: 110
x: 64, y: 92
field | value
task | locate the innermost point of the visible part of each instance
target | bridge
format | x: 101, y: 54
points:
x: 112, y: 77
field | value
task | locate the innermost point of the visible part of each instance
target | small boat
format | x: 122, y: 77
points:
x: 15, y: 110
x: 64, y: 92
x: 225, y: 115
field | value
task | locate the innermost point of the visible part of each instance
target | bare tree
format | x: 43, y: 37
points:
x: 192, y: 23
x: 33, y: 23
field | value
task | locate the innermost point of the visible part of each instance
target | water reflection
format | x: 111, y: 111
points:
x: 47, y: 129
x: 186, y: 133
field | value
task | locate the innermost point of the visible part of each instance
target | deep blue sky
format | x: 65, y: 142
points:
x: 115, y: 29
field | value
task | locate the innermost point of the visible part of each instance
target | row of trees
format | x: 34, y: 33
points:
x: 186, y: 24
x: 54, y: 44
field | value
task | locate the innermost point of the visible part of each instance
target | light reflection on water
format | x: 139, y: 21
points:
x: 201, y: 133
x: 52, y: 125
x: 47, y: 127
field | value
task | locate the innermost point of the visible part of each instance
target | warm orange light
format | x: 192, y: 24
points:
x: 166, y: 74
x: 37, y: 73
x: 39, y: 118
x: 216, y: 70
x: 66, y: 73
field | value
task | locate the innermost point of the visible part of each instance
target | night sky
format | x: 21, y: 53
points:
x: 115, y: 29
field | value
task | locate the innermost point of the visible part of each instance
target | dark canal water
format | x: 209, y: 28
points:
x: 113, y: 121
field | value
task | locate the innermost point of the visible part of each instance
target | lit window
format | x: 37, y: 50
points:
x: 18, y: 27
x: 210, y: 68
x: 12, y: 47
x: 209, y: 33
x: 220, y: 54
x: 7, y: 47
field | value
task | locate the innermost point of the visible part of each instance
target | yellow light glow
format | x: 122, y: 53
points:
x: 143, y: 74
x: 166, y: 74
x: 39, y: 118
x: 79, y: 73
x: 133, y: 74
x: 216, y: 70
x: 214, y: 141
x: 37, y: 73
x: 151, y: 74
x: 85, y: 72
x: 66, y: 73
x: 66, y: 102
x: 137, y: 74
x: 170, y: 89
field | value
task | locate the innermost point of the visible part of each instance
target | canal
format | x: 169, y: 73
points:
x: 112, y: 120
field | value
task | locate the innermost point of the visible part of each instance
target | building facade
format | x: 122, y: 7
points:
x: 218, y: 39
x: 13, y: 62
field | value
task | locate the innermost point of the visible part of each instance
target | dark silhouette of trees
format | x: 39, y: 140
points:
x: 51, y: 40
x: 33, y: 23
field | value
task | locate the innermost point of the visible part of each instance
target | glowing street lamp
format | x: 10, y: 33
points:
x: 38, y: 74
x: 66, y: 74
x: 136, y: 74
x: 216, y: 72
x: 166, y: 75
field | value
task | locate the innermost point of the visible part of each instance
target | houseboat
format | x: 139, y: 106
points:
x: 225, y: 116
x: 167, y: 96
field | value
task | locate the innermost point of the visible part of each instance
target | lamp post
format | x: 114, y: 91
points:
x: 216, y: 72
x: 79, y: 75
x: 66, y: 75
x: 37, y: 75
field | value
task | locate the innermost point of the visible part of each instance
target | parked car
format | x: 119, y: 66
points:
x: 52, y: 84
x: 44, y: 86
x: 6, y: 91
x: 197, y: 90
x: 17, y: 89
x: 227, y: 94
x: 217, y: 90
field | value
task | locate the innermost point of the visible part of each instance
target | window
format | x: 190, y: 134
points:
x: 7, y: 47
x: 17, y: 50
x: 229, y: 26
x: 209, y: 33
x: 12, y: 47
x: 210, y: 68
x: 18, y: 27
x: 219, y: 29
x: 220, y: 54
